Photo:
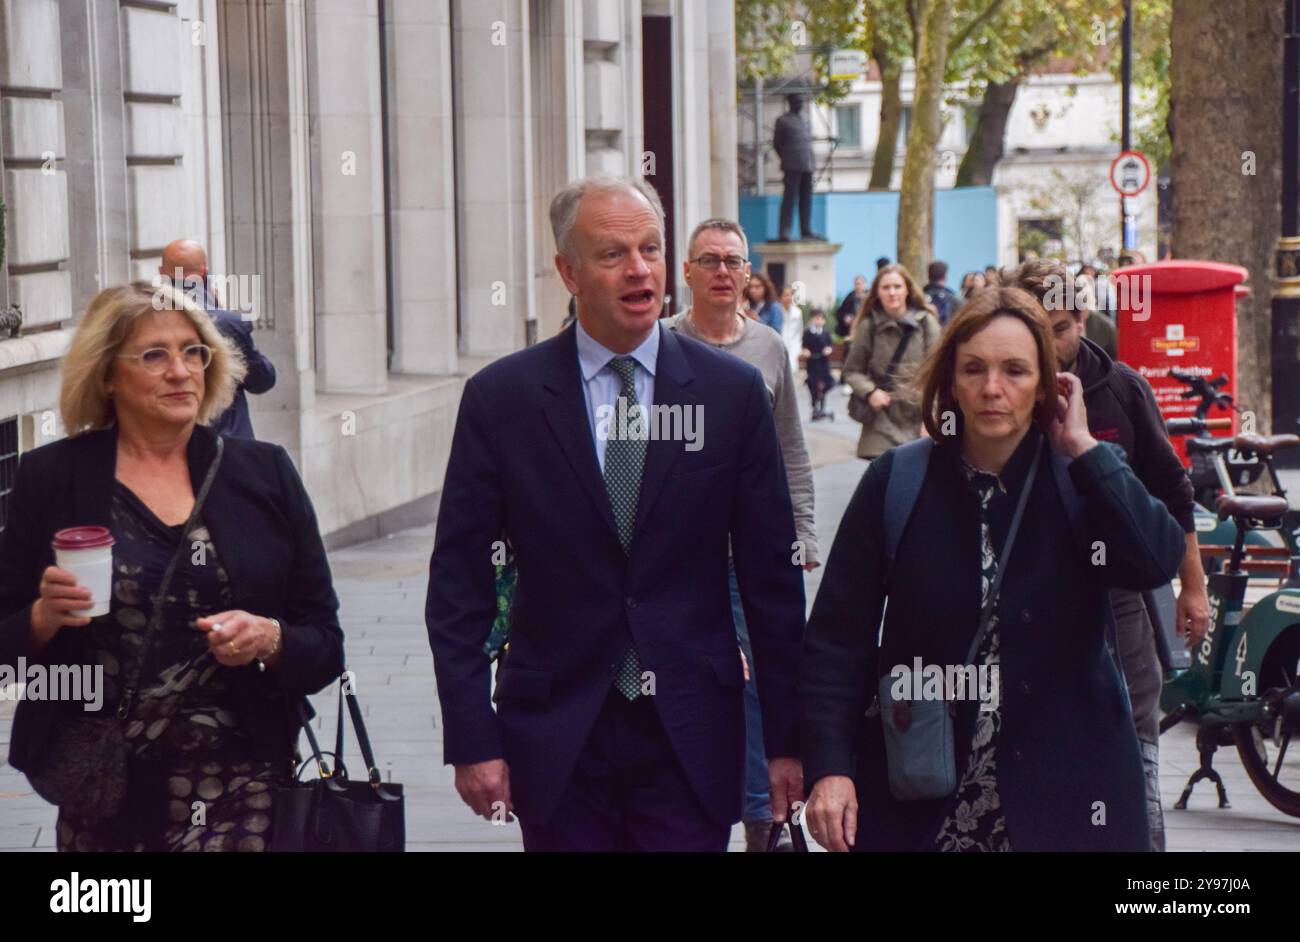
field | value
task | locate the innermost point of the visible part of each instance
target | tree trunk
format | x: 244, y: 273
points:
x: 916, y: 196
x: 988, y: 140
x: 891, y: 113
x: 1225, y: 76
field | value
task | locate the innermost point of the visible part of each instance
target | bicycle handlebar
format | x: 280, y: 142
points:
x: 1205, y: 390
x: 1195, y: 426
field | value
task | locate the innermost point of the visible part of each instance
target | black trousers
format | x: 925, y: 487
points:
x: 628, y: 792
x: 797, y: 182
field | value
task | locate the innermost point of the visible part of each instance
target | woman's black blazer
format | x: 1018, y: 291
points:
x: 1069, y: 770
x: 262, y: 523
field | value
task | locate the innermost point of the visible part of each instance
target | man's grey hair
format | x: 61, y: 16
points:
x: 564, y: 207
x: 718, y: 222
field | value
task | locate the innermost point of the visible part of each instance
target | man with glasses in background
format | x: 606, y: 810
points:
x: 717, y: 270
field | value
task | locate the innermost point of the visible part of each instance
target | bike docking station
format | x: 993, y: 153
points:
x: 1242, y: 682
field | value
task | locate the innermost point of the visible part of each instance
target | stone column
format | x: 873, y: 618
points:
x: 347, y: 180
x: 493, y: 174
x: 268, y: 198
x: 723, y: 141
x: 559, y: 142
x: 421, y: 181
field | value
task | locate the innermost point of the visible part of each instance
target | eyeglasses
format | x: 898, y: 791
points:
x: 197, y: 357
x: 711, y: 262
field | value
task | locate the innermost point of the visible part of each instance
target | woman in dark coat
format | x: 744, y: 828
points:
x: 1054, y: 765
x: 249, y: 622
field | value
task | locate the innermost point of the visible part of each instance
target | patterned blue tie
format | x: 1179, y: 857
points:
x: 624, y: 461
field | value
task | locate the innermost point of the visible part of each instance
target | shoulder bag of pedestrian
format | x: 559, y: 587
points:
x: 859, y: 409
x: 333, y: 813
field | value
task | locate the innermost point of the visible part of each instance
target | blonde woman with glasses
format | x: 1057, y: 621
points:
x: 219, y: 613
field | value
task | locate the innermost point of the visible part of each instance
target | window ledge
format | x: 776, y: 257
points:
x: 34, y: 349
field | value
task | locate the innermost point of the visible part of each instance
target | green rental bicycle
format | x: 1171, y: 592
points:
x: 1243, y: 685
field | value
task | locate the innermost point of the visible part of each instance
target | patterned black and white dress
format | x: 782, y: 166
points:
x: 973, y: 820
x: 193, y: 783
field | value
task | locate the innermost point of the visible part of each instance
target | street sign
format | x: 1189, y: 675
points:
x: 847, y: 65
x: 1130, y: 173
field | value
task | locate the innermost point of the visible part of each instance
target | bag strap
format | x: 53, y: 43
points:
x: 892, y: 368
x: 796, y: 835
x: 136, y: 667
x: 887, y: 384
x: 363, y: 738
x: 906, y: 475
x: 338, y: 731
x: 990, y: 604
x: 305, y: 723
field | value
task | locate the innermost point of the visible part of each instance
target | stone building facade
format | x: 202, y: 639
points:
x: 371, y: 179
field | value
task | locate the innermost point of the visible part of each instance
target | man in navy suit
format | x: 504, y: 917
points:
x: 185, y: 263
x: 620, y: 721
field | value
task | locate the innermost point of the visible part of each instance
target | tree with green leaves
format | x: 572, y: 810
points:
x: 940, y: 29
x: 1151, y: 53
x: 1023, y: 36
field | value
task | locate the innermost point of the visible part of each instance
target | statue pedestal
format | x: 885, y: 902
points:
x: 811, y: 264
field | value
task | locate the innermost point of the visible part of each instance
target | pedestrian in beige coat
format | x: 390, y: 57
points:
x: 894, y: 307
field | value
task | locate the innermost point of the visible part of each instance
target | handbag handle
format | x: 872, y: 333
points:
x: 363, y: 738
x: 305, y: 724
x: 796, y: 834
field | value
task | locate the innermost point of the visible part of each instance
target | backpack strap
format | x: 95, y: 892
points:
x: 1070, y: 497
x: 906, y: 475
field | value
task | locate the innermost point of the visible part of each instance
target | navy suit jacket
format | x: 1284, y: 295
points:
x: 260, y: 377
x: 523, y: 467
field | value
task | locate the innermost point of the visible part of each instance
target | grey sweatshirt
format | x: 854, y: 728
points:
x: 761, y: 346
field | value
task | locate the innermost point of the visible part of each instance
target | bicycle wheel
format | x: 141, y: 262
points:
x: 1274, y: 767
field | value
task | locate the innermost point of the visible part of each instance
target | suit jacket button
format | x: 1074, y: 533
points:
x: 1024, y: 686
x: 1017, y: 754
x: 631, y: 602
x: 1024, y: 615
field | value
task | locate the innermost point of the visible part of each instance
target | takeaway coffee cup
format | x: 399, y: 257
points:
x: 87, y: 553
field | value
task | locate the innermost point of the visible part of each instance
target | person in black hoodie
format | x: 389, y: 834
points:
x: 1122, y: 409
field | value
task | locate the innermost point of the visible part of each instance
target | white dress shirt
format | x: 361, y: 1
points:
x: 601, y: 386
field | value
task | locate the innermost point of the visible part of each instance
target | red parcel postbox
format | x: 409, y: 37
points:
x: 1180, y: 315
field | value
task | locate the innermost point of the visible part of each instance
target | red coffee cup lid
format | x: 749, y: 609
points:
x: 79, y: 538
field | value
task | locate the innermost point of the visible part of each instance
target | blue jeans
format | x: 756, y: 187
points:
x: 758, y: 807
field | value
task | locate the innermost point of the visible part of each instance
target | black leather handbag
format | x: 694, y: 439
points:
x: 333, y: 813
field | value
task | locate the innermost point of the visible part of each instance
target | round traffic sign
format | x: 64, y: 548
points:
x: 1130, y: 173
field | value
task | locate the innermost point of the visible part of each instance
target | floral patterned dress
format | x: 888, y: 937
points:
x: 192, y: 783
x: 973, y: 820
